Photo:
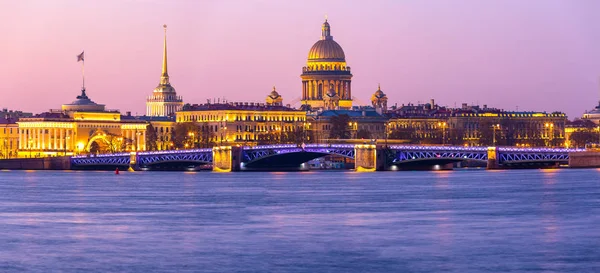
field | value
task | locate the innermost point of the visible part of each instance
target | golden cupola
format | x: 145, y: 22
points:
x: 326, y: 49
x: 326, y: 71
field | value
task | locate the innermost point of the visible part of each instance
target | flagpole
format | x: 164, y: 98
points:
x: 83, y: 73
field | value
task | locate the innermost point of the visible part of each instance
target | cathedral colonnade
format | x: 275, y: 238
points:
x: 315, y: 89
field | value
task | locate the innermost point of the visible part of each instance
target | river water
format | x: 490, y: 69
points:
x: 451, y: 221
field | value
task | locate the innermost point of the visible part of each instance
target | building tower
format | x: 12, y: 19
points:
x: 325, y: 68
x: 164, y: 100
x: 379, y: 100
x: 274, y: 98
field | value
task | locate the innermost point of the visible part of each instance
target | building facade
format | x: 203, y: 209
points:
x: 326, y: 75
x: 80, y: 127
x: 161, y: 136
x: 9, y: 138
x: 364, y: 124
x: 164, y: 100
x: 239, y: 123
x: 474, y: 126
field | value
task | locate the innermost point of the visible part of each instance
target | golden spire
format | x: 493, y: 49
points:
x: 164, y: 78
x: 378, y: 86
x: 274, y: 88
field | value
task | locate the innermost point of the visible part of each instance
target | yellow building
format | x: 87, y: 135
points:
x: 164, y: 128
x: 82, y: 126
x: 326, y: 79
x: 241, y: 123
x: 9, y: 138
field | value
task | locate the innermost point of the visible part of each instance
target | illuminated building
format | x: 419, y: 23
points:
x: 359, y: 123
x: 242, y: 123
x: 582, y: 133
x: 164, y: 100
x: 9, y: 137
x: 326, y: 79
x: 474, y: 126
x: 82, y: 126
x: 593, y: 115
x: 163, y: 132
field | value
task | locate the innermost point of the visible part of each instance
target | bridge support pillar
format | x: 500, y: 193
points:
x: 133, y: 162
x: 368, y: 158
x: 227, y: 158
x: 492, y: 157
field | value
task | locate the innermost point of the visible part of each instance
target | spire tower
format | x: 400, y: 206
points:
x: 164, y: 100
x: 164, y: 77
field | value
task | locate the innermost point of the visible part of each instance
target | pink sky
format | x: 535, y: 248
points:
x: 541, y: 55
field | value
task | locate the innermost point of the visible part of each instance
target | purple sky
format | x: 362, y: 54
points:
x: 541, y: 55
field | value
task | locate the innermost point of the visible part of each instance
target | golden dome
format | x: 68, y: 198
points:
x: 326, y: 49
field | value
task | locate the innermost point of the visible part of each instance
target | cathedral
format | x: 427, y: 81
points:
x: 164, y: 100
x: 326, y: 80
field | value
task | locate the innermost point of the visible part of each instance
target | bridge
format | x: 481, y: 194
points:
x: 366, y: 157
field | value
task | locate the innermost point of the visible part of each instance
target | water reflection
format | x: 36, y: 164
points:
x: 456, y: 221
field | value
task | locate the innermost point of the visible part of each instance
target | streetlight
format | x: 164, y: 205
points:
x: 550, y: 133
x: 191, y: 134
x: 495, y: 126
x: 387, y: 129
x: 306, y: 130
x: 443, y: 125
x: 6, y: 148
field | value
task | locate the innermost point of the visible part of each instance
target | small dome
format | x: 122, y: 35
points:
x: 274, y: 94
x: 83, y: 103
x: 379, y: 94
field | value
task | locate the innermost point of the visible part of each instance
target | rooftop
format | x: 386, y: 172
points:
x: 237, y: 106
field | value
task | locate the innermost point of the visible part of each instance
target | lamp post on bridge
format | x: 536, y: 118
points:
x: 387, y: 131
x: 443, y: 126
x: 495, y: 126
x: 550, y: 133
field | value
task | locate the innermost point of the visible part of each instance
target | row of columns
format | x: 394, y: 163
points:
x: 316, y: 89
x: 138, y: 137
x: 46, y: 139
x: 161, y: 109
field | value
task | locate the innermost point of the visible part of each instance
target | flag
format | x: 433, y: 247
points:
x: 80, y: 57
